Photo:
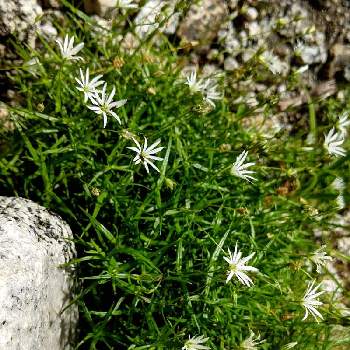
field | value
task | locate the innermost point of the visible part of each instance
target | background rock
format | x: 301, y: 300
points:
x: 203, y: 21
x: 154, y: 12
x: 18, y: 17
x: 50, y: 3
x: 34, y: 289
x: 99, y: 7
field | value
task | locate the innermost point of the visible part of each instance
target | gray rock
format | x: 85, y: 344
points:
x: 48, y: 30
x: 2, y: 50
x: 34, y: 287
x: 347, y: 73
x: 50, y: 4
x: 251, y: 13
x: 99, y: 7
x: 153, y: 13
x: 340, y: 60
x: 312, y: 54
x: 230, y: 64
x: 227, y: 36
x: 233, y: 4
x: 203, y: 21
x: 18, y: 17
x: 253, y: 29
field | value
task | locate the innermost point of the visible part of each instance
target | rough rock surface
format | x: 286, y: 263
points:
x: 153, y: 12
x: 99, y: 7
x: 203, y: 20
x: 34, y: 289
x: 18, y: 17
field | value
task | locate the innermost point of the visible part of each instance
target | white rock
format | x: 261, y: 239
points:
x: 312, y: 54
x: 34, y: 289
x: 50, y: 3
x: 151, y: 14
x: 108, y: 8
x: 228, y: 37
x: 99, y: 7
x: 344, y: 245
x: 48, y: 30
x: 230, y: 64
x: 173, y: 22
x: 253, y: 28
x: 251, y: 13
x: 233, y: 3
x: 18, y: 17
x: 347, y: 72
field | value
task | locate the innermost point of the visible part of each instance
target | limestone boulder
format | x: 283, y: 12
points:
x: 35, y: 287
x: 19, y: 17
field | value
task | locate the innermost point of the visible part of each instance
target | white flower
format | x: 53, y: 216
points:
x: 88, y: 87
x: 298, y: 47
x: 343, y: 123
x: 237, y: 267
x: 332, y: 143
x: 103, y: 104
x: 252, y: 342
x: 272, y: 62
x: 340, y: 201
x: 68, y: 51
x: 33, y: 66
x: 126, y: 4
x: 210, y: 92
x: 194, y: 84
x: 319, y: 258
x: 338, y: 184
x: 302, y: 69
x: 289, y: 345
x: 145, y: 154
x: 310, y: 303
x: 195, y: 343
x: 207, y: 87
x: 239, y: 169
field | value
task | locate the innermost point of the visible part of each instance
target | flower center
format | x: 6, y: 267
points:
x: 233, y: 267
x: 104, y: 108
x: 143, y: 155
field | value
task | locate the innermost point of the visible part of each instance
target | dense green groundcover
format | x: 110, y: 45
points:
x: 151, y: 268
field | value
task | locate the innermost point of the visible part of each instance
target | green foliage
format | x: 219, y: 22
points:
x: 151, y: 247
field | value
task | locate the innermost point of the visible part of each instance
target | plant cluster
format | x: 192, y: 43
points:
x: 156, y: 265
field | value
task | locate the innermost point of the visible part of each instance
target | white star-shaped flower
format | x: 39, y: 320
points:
x: 126, y: 4
x: 320, y: 258
x: 207, y: 87
x: 194, y: 84
x: 338, y: 184
x: 290, y: 345
x: 211, y: 94
x: 145, y: 154
x: 298, y: 47
x: 340, y: 202
x: 87, y: 86
x: 310, y: 302
x: 103, y: 104
x: 195, y: 343
x: 343, y: 123
x: 68, y: 51
x: 240, y: 170
x: 237, y: 267
x: 332, y: 143
x: 252, y: 342
x: 272, y: 62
